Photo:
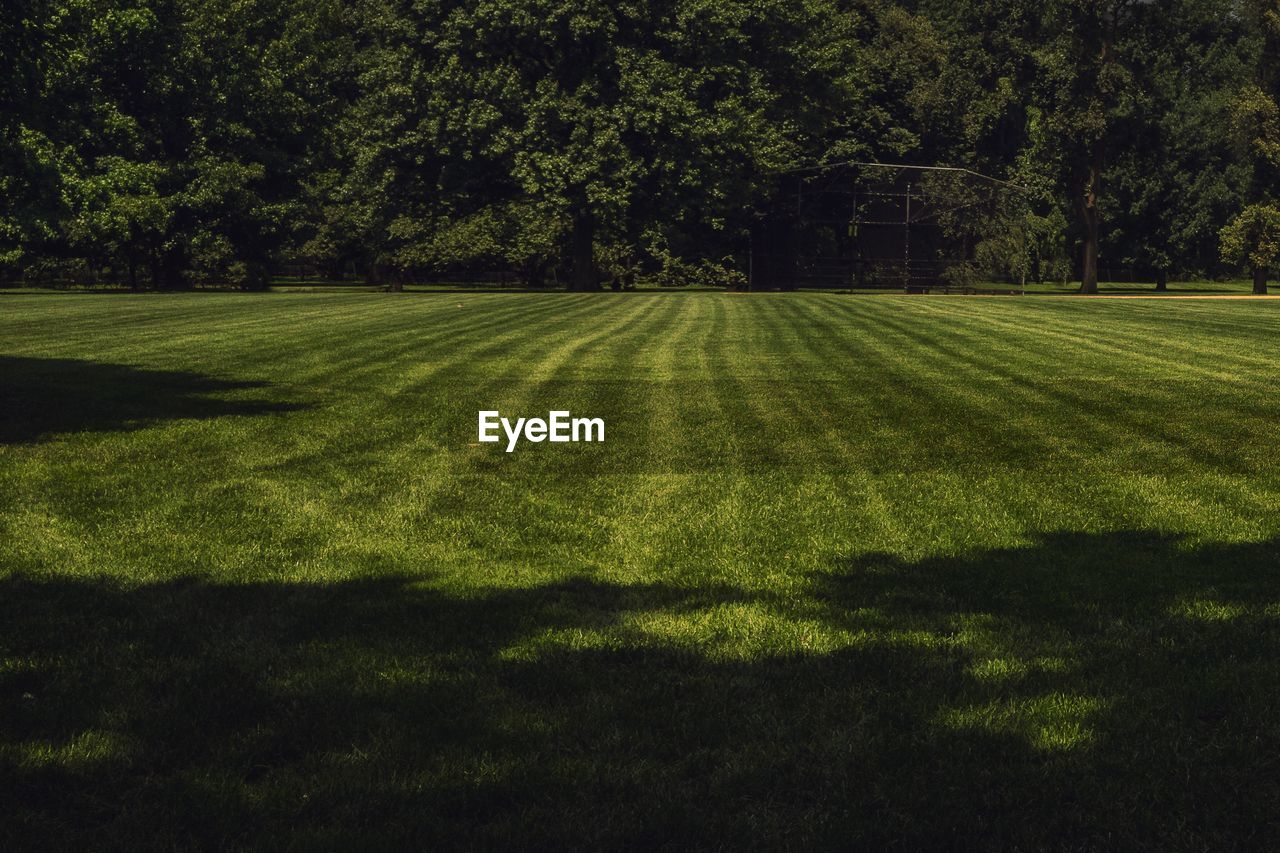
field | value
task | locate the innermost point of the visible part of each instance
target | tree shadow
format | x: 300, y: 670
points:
x: 41, y: 397
x: 1090, y: 690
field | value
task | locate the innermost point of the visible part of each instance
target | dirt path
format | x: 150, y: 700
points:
x: 1182, y: 296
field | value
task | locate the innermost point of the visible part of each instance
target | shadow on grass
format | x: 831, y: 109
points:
x: 40, y: 397
x: 1091, y: 690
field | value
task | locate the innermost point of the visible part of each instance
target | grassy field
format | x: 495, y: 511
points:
x: 848, y: 570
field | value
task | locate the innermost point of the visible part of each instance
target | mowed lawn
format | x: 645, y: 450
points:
x: 927, y: 572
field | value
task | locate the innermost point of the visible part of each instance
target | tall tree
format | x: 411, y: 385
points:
x: 1255, y: 124
x: 1175, y: 177
x: 28, y: 172
x: 1084, y: 83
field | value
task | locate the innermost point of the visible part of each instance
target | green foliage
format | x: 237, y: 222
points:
x: 1254, y: 120
x: 675, y: 271
x: 515, y: 235
x: 165, y: 141
x: 1253, y: 237
x: 1022, y: 245
x: 170, y: 134
x: 526, y: 117
x: 1174, y: 177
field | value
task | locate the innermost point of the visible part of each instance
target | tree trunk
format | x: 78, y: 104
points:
x: 169, y: 269
x: 583, y: 254
x: 1093, y: 187
x: 1162, y: 281
x: 1260, y: 281
x: 257, y: 277
x: 1089, y: 274
x: 1089, y: 215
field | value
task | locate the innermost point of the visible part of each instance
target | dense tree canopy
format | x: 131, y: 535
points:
x: 161, y: 142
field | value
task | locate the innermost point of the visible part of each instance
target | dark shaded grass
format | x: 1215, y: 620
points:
x: 385, y: 712
x: 42, y: 397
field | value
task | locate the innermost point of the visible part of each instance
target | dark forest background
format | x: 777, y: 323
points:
x: 162, y: 143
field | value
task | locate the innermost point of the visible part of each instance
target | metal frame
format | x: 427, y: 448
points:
x: 916, y: 210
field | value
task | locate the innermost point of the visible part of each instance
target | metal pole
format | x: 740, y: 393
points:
x: 853, y: 240
x: 906, y: 269
x: 1026, y: 259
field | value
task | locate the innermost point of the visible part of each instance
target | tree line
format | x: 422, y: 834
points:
x: 165, y: 142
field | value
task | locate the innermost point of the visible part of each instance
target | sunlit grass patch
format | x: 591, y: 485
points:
x: 88, y: 752
x: 1052, y: 722
x: 1208, y: 610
